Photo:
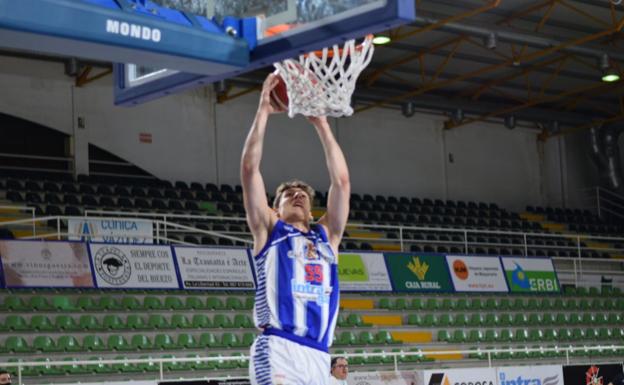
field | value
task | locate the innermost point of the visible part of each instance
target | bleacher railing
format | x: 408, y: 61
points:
x: 559, y: 354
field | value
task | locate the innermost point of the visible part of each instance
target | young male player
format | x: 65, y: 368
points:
x: 296, y: 262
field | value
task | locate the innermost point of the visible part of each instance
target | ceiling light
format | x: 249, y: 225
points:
x: 610, y: 75
x: 510, y: 122
x: 458, y: 115
x: 408, y: 109
x: 381, y: 39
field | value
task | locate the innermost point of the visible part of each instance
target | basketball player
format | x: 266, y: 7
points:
x: 296, y: 262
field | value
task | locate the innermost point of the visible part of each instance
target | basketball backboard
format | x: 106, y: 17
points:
x: 283, y: 29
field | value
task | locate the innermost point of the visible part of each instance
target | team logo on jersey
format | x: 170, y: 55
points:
x: 310, y: 292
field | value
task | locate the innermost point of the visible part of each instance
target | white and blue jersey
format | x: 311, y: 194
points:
x: 297, y: 296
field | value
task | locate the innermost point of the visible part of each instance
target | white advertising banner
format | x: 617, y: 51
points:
x: 133, y: 266
x: 363, y: 272
x: 111, y: 230
x: 477, y: 273
x: 533, y: 375
x: 45, y: 264
x: 382, y: 378
x: 212, y: 268
x: 472, y: 376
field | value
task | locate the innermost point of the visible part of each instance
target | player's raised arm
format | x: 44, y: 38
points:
x: 339, y: 194
x: 259, y: 214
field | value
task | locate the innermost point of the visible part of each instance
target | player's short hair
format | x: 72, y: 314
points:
x: 295, y: 183
x: 334, y: 361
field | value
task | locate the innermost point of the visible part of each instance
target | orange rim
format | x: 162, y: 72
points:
x: 330, y: 52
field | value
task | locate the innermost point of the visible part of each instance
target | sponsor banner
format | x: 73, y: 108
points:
x: 363, y: 272
x: 476, y: 376
x: 133, y: 266
x: 595, y: 374
x: 383, y: 378
x: 476, y: 273
x: 204, y: 268
x: 530, y: 275
x: 417, y: 272
x: 110, y: 230
x: 530, y: 375
x: 45, y: 264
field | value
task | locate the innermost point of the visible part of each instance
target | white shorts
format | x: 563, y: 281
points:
x: 278, y: 361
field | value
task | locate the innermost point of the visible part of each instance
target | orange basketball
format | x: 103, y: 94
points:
x: 279, y: 95
x: 460, y: 269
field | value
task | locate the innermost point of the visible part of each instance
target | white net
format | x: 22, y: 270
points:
x: 322, y: 84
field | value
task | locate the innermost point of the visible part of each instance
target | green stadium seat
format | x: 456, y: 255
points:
x: 460, y: 320
x: 570, y: 304
x: 491, y: 320
x: 62, y: 303
x: 73, y: 368
x: 214, y: 303
x: 16, y: 344
x: 506, y: 319
x: 194, y: 303
x: 384, y: 303
x: 65, y: 323
x: 561, y: 319
x: 180, y: 321
x: 230, y: 340
x: 569, y: 290
x: 459, y: 336
x: 558, y: 304
x: 476, y: 335
x: 531, y: 304
x: 243, y: 321
x: 44, y: 344
x: 476, y: 305
x: 140, y: 342
x: 416, y: 304
x: 173, y: 366
x: 248, y: 339
x: 164, y: 342
x: 125, y: 366
x: 93, y: 343
x: 445, y: 320
x: 431, y: 304
x: 444, y: 336
x: 136, y: 322
x: 152, y: 303
x: 199, y: 363
x: 131, y: 303
x: 430, y: 320
x: 113, y: 322
x: 50, y: 370
x: 592, y: 334
x: 477, y: 354
x: 462, y: 304
x: 14, y: 303
x: 117, y: 342
x: 615, y: 319
x: 596, y: 304
x: 208, y: 340
x: 357, y: 360
x: 249, y: 303
x: 201, y: 321
x: 174, y: 303
x: 366, y: 338
x: 605, y: 334
x: 447, y: 304
x: 584, y: 304
x: 521, y: 335
x: 347, y: 338
x: 574, y: 319
x: 549, y: 319
x: 589, y: 319
x: 157, y: 321
x: 518, y: 304
x: 609, y: 304
x: 68, y: 344
x: 225, y: 364
x: 39, y: 303
x: 149, y: 366
x: 221, y: 321
x: 593, y: 292
x: 186, y: 341
x: 234, y: 303
x: 564, y: 334
x: 535, y: 319
x: 476, y: 319
x: 545, y: 304
x: 87, y: 304
x: 385, y: 337
x: 414, y: 320
x: 491, y: 304
x: 491, y: 335
x: 551, y: 335
x: 99, y: 367
x: 578, y: 334
x: 107, y: 302
x: 41, y: 323
x: 400, y: 304
x: 504, y: 304
x: 15, y: 323
x: 520, y: 319
x: 90, y: 322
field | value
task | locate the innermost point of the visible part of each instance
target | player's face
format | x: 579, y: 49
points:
x: 295, y: 205
x: 5, y: 378
x: 341, y: 369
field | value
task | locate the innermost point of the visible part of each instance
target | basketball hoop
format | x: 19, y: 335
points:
x: 321, y: 83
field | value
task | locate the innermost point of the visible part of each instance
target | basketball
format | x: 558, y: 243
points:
x: 279, y: 95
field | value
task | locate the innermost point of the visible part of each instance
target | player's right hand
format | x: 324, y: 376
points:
x: 266, y: 103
